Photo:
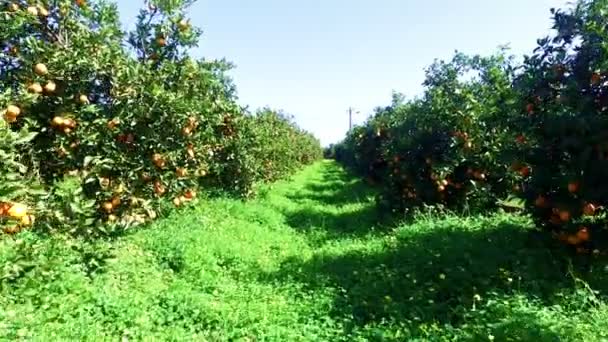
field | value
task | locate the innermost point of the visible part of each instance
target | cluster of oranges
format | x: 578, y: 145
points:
x: 16, y: 212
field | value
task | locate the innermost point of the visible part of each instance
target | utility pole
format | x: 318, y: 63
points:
x: 350, y: 117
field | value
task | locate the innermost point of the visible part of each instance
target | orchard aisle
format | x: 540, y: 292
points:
x: 302, y: 262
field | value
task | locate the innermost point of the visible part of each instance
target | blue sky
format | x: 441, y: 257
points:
x: 316, y: 58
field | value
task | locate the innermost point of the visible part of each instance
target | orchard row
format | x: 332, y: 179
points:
x: 486, y: 130
x: 102, y: 129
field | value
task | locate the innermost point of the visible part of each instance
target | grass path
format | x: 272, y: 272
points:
x: 306, y: 261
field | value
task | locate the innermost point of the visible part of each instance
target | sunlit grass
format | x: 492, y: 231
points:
x: 310, y: 260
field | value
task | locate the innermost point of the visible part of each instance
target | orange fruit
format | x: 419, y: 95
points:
x: 58, y: 121
x: 13, y: 7
x: 573, y: 186
x: 555, y: 220
x: 161, y: 41
x: 50, y: 87
x: 187, y: 131
x: 564, y: 215
x: 541, y: 202
x: 43, y: 12
x: 113, y: 123
x: 190, y: 152
x: 35, y: 88
x: 530, y: 108
x: 573, y: 240
x: 589, y: 209
x: 583, y: 234
x: 41, y: 69
x: 190, y: 194
x: 83, y: 99
x: 81, y: 3
x: 17, y: 211
x: 70, y: 123
x: 521, y: 139
x: 181, y: 172
x: 177, y: 202
x: 33, y: 10
x: 441, y: 188
x: 107, y: 206
x: 116, y: 201
x: 524, y: 171
x: 13, y: 111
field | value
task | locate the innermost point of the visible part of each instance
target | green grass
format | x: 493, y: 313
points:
x: 309, y: 260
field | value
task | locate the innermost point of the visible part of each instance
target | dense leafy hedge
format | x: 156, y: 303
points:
x: 120, y: 125
x: 438, y: 149
x: 485, y: 130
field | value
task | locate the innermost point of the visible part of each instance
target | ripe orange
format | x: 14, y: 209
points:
x: 33, y: 10
x: 81, y: 3
x: 564, y: 215
x: 555, y: 220
x: 187, y: 131
x: 159, y: 188
x: 161, y: 41
x: 177, y: 202
x: 524, y: 171
x: 589, y: 209
x: 181, y: 172
x: 521, y: 139
x: 573, y: 240
x: 83, y: 99
x: 13, y: 7
x: 113, y: 123
x: 35, y: 88
x: 583, y: 234
x: 107, y: 206
x: 574, y: 186
x: 116, y: 201
x: 441, y: 188
x: 58, y: 121
x: 541, y: 201
x: 70, y: 123
x: 41, y: 69
x: 530, y: 108
x: 190, y: 152
x: 112, y: 218
x: 17, y: 211
x: 50, y: 87
x: 13, y: 111
x: 42, y: 11
x: 190, y: 194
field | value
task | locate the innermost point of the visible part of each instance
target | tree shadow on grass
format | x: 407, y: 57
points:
x: 437, y: 276
x: 336, y: 188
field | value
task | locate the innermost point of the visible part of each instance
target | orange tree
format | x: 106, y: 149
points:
x: 120, y: 127
x: 445, y: 147
x: 20, y: 191
x: 266, y: 146
x: 564, y: 104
